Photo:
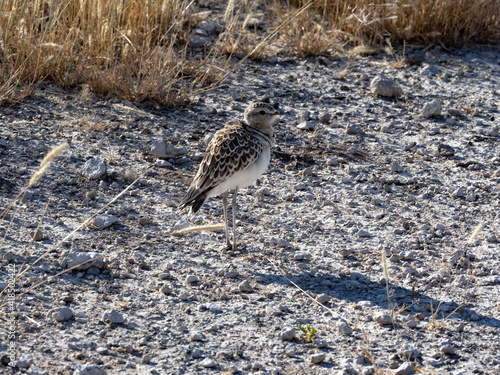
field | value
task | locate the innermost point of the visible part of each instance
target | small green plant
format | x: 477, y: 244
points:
x: 309, y: 332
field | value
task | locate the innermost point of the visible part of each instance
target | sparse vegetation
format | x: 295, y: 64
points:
x: 418, y: 21
x: 139, y: 50
x: 134, y: 50
x: 309, y: 332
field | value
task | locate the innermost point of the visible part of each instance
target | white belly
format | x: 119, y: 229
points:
x: 245, y: 177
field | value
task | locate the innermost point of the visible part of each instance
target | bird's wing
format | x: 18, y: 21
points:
x: 231, y: 149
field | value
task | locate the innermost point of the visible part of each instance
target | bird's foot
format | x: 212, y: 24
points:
x: 234, y: 250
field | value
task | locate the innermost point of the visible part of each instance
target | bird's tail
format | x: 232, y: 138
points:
x: 195, y: 202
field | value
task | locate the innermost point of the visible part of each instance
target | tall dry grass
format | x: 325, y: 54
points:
x: 137, y: 49
x: 131, y: 49
x: 449, y: 22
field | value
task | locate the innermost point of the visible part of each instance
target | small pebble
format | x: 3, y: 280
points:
x: 431, y: 109
x: 445, y: 150
x: 454, y: 112
x: 458, y: 193
x: 83, y: 261
x: 320, y: 344
x: 324, y: 117
x: 344, y: 329
x: 212, y: 307
x: 94, y: 168
x: 103, y: 350
x: 412, y: 323
x: 363, y: 233
x: 197, y: 41
x: 25, y: 361
x: 89, y: 369
x: 231, y: 274
x: 405, y: 369
x: 104, y: 220
x: 113, y: 316
x: 383, y: 86
x: 183, y: 296
x: 62, y: 314
x: 37, y: 235
x: 302, y: 256
x: 287, y: 334
x: 353, y: 129
x: 245, y: 287
x: 163, y: 163
x: 430, y: 70
x: 208, y: 363
x: 196, y: 336
x: 300, y: 186
x: 144, y: 221
x: 159, y: 149
x: 323, y: 298
x: 306, y: 125
x: 446, y: 347
x: 317, y: 358
x: 395, y: 167
x: 191, y: 279
x: 166, y: 289
x: 273, y: 310
x: 291, y: 350
x: 382, y: 318
x: 164, y: 275
x: 126, y: 346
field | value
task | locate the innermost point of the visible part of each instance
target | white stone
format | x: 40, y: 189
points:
x: 104, y: 220
x: 364, y: 233
x: 62, y: 314
x: 190, y: 279
x: 94, y: 168
x: 113, y: 316
x: 287, y: 334
x: 212, y: 307
x: 306, y: 125
x: 317, y: 358
x: 196, y: 336
x: 431, y: 109
x: 208, y: 363
x: 405, y: 369
x: 89, y: 369
x: 245, y: 287
x: 83, y: 261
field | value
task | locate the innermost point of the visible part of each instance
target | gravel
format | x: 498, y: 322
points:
x: 374, y: 177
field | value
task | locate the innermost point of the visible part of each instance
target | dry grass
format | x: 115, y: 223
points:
x: 307, y: 33
x: 449, y: 22
x: 133, y: 50
x: 138, y: 50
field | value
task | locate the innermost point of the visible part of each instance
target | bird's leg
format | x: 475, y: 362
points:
x: 224, y: 205
x: 233, y: 208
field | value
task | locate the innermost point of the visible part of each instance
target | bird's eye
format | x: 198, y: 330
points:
x: 262, y: 113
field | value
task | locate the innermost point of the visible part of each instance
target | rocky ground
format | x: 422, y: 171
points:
x: 355, y: 176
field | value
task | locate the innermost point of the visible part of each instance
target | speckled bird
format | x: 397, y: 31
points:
x: 236, y: 156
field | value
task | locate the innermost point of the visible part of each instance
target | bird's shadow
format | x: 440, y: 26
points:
x: 357, y: 287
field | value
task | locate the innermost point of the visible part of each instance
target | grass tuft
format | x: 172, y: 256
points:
x: 45, y: 164
x: 139, y: 50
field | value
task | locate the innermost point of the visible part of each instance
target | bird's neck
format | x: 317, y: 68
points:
x: 265, y: 128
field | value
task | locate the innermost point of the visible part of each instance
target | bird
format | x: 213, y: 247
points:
x: 235, y: 158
